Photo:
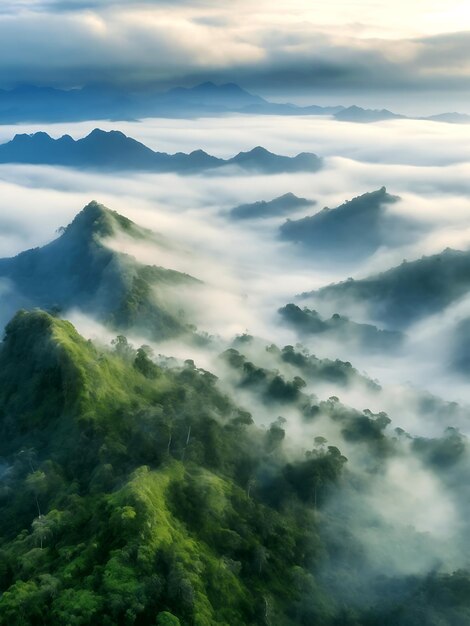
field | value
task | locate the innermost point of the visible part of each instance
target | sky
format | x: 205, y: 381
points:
x: 280, y: 48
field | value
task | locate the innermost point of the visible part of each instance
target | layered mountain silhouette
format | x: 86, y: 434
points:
x: 279, y: 206
x: 30, y: 103
x: 450, y: 118
x: 404, y: 294
x: 340, y: 328
x: 227, y: 95
x: 79, y: 271
x: 115, y: 151
x: 353, y: 230
x: 358, y: 114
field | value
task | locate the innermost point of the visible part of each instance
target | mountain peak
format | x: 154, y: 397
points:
x: 30, y: 330
x: 78, y: 270
x: 351, y: 230
x: 258, y: 153
x: 97, y: 220
x: 259, y: 150
x: 39, y: 136
x: 98, y: 133
x: 36, y: 320
x: 94, y: 218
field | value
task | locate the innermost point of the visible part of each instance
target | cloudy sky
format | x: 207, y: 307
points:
x: 278, y: 47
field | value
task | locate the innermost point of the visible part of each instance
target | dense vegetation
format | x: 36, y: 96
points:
x: 406, y: 293
x: 130, y: 492
x: 340, y: 328
x: 137, y: 493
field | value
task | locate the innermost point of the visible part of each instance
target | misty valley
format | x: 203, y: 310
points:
x: 234, y: 372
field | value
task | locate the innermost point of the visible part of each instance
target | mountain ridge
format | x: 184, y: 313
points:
x: 30, y: 103
x: 78, y: 270
x: 113, y: 150
x: 354, y: 229
x: 407, y: 292
x: 307, y: 322
x: 272, y: 208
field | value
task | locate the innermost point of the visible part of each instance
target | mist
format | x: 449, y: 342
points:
x: 248, y: 273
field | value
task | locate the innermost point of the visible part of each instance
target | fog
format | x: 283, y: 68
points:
x: 247, y: 270
x: 248, y: 273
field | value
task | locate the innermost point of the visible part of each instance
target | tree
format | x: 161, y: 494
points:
x: 144, y: 364
x: 167, y: 619
x: 276, y: 434
x: 42, y: 529
x: 28, y: 455
x: 260, y: 558
x: 76, y: 607
x: 123, y: 347
x: 37, y: 484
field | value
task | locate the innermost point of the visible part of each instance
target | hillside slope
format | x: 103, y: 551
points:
x: 271, y: 208
x: 353, y: 230
x: 406, y: 293
x: 138, y: 494
x: 78, y: 270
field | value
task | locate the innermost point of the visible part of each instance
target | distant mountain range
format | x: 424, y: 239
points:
x: 357, y: 114
x: 79, y: 271
x: 273, y: 208
x: 113, y: 150
x: 351, y: 231
x: 29, y: 103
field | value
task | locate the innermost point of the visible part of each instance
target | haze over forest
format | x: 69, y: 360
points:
x: 235, y: 313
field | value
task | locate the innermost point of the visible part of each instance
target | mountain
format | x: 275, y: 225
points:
x: 288, y: 109
x: 406, y: 293
x: 339, y: 328
x: 272, y: 208
x: 131, y: 494
x: 31, y: 103
x: 450, y: 118
x: 357, y: 114
x: 141, y: 494
x: 77, y: 270
x: 262, y: 161
x: 353, y: 230
x: 115, y: 151
x: 228, y: 95
x: 289, y: 363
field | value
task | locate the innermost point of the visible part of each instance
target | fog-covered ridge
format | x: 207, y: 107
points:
x: 79, y: 271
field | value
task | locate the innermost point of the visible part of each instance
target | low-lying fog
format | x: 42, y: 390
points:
x: 248, y: 271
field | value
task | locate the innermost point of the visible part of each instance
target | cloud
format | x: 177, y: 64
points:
x: 271, y: 49
x: 425, y: 163
x: 117, y: 44
x: 248, y: 274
